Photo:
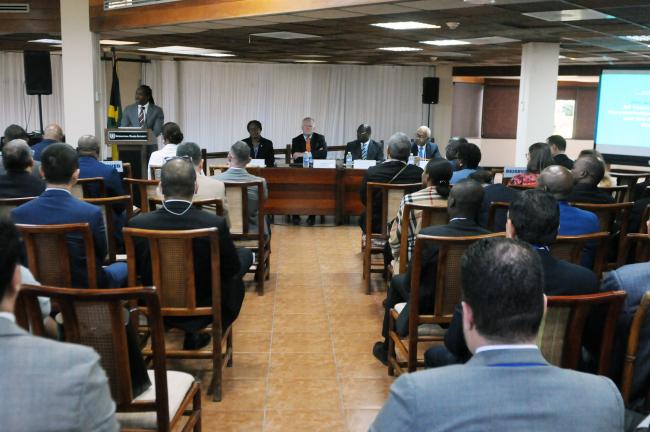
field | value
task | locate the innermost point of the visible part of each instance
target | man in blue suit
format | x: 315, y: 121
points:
x: 52, y: 134
x: 60, y: 167
x: 423, y: 145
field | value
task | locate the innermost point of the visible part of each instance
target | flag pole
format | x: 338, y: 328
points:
x: 115, y: 155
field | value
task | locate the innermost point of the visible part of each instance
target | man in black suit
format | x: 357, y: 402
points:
x: 423, y: 145
x: 261, y: 148
x: 533, y: 217
x: 463, y: 205
x: 18, y: 181
x: 364, y: 147
x: 178, y: 183
x: 394, y: 170
x: 493, y: 193
x: 558, y: 146
x: 588, y: 172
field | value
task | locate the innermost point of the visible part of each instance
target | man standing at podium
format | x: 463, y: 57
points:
x: 144, y: 113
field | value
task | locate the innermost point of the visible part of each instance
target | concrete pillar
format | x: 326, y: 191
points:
x: 442, y: 112
x: 537, y: 94
x: 81, y: 62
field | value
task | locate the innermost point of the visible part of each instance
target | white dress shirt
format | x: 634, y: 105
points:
x: 505, y: 347
x: 157, y: 158
x: 146, y: 109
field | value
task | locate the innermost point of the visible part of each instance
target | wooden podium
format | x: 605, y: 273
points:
x: 136, y: 144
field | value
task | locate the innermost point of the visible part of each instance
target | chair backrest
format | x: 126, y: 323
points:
x: 429, y: 216
x: 522, y: 187
x: 8, y: 204
x: 91, y: 187
x: 214, y: 204
x: 212, y: 169
x: 390, y: 196
x: 608, y: 214
x: 617, y: 192
x: 632, y: 347
x: 643, y: 227
x: 560, y: 335
x: 147, y: 189
x: 48, y: 254
x: 496, y: 207
x: 570, y: 248
x: 97, y: 318
x: 106, y: 205
x: 240, y: 208
x: 642, y: 252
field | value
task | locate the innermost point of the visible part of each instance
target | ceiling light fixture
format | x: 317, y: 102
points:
x: 406, y: 25
x: 445, y: 42
x: 116, y: 42
x: 285, y: 35
x: 310, y: 61
x: 47, y: 41
x: 185, y: 50
x: 569, y: 15
x: 400, y: 49
x: 637, y: 38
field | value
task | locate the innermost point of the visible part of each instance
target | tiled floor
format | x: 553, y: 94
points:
x: 303, y: 358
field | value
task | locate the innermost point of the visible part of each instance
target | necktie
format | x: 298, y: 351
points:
x: 422, y: 153
x: 364, y: 151
x: 141, y: 116
x: 308, y: 145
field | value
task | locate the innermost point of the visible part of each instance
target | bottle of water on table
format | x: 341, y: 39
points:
x: 348, y: 160
x: 306, y: 159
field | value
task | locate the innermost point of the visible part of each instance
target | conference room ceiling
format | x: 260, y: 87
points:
x: 346, y: 36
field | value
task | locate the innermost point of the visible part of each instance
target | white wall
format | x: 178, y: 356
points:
x: 501, y: 152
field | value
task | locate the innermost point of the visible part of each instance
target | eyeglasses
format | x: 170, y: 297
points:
x: 171, y: 158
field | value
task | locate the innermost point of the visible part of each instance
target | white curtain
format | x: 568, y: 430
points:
x: 213, y: 102
x: 18, y: 108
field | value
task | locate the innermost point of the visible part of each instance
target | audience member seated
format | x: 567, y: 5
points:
x: 507, y: 385
x: 172, y: 137
x: 451, y: 151
x: 469, y: 156
x: 539, y: 157
x: 493, y: 192
x: 557, y: 144
x: 13, y: 132
x: 607, y: 180
x: 463, y: 205
x: 423, y: 146
x: 364, y: 147
x: 261, y: 148
x: 18, y: 181
x: 534, y: 218
x: 588, y: 172
x: 178, y: 183
x: 394, y: 170
x: 52, y: 134
x: 56, y: 205
x: 236, y: 172
x: 48, y: 385
x: 435, y: 179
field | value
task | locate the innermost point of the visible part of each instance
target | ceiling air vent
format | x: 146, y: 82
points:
x: 121, y: 4
x: 14, y: 7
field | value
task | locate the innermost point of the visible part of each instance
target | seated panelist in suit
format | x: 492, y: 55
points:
x: 18, y: 181
x: 507, y: 385
x: 56, y: 205
x: 364, y: 147
x: 144, y: 113
x: 423, y: 145
x: 261, y: 148
x: 52, y: 134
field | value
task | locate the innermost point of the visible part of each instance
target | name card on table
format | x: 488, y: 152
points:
x: 257, y: 163
x: 363, y: 164
x: 423, y: 163
x: 509, y: 172
x: 115, y: 164
x: 324, y: 163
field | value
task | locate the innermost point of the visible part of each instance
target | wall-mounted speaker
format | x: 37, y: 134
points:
x: 430, y: 87
x: 38, y: 72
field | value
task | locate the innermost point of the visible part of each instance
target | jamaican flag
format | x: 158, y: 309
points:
x: 114, y: 108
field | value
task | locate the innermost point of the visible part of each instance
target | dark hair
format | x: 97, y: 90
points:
x: 439, y: 172
x: 558, y: 140
x: 469, y: 154
x: 536, y: 216
x: 147, y: 92
x: 9, y: 253
x: 482, y: 176
x: 468, y: 196
x: 59, y: 161
x: 503, y: 282
x: 16, y: 155
x: 594, y: 167
x: 451, y: 151
x: 190, y: 149
x: 253, y: 122
x: 172, y: 133
x: 178, y: 178
x: 13, y: 132
x: 540, y: 157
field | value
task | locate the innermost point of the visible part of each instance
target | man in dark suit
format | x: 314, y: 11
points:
x: 423, y: 145
x: 394, y: 170
x: 463, y: 205
x: 558, y: 146
x: 364, y: 147
x: 178, y: 184
x: 588, y: 172
x: 60, y: 166
x: 493, y: 193
x: 144, y: 113
x: 52, y: 134
x: 18, y: 181
x: 261, y: 148
x: 533, y: 217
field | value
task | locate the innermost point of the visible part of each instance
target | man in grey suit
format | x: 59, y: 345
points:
x: 507, y: 385
x: 144, y: 113
x: 47, y: 385
x: 238, y: 157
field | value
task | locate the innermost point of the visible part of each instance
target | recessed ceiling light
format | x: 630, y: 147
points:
x: 569, y: 15
x: 285, y: 35
x: 116, y: 42
x: 185, y: 50
x: 47, y: 41
x: 313, y: 56
x: 489, y: 40
x: 406, y: 25
x: 637, y: 38
x: 400, y: 49
x: 310, y: 61
x: 445, y: 42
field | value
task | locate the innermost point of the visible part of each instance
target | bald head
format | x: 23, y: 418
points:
x: 178, y: 179
x: 54, y: 132
x: 17, y: 156
x: 588, y: 170
x: 88, y: 145
x: 465, y: 199
x: 557, y: 180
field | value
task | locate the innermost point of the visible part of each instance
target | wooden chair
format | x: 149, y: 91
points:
x: 447, y: 296
x: 613, y: 218
x: 560, y: 335
x: 212, y: 169
x: 496, y: 206
x: 173, y: 274
x: 617, y: 192
x: 631, y: 351
x: 127, y: 172
x: 48, y: 256
x: 570, y: 248
x: 258, y: 242
x: 429, y: 216
x: 106, y: 205
x: 213, y: 204
x: 154, y: 172
x: 643, y: 223
x: 641, y: 242
x: 521, y: 187
x: 391, y: 197
x: 96, y: 318
x: 91, y: 187
x: 8, y: 204
x: 147, y: 189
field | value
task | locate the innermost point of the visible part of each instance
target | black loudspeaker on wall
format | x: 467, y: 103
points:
x: 430, y: 87
x: 38, y: 73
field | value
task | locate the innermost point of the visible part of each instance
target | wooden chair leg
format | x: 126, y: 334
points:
x: 217, y: 367
x: 229, y: 348
x: 260, y: 274
x: 196, y: 405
